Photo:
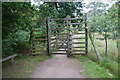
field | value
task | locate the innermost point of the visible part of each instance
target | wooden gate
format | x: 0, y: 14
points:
x: 60, y: 36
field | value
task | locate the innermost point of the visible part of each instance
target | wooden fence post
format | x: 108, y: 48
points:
x: 86, y: 34
x: 32, y: 41
x: 48, y: 37
x: 68, y: 37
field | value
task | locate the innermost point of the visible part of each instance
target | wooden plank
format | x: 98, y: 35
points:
x: 39, y: 39
x: 66, y: 19
x: 38, y: 30
x: 79, y: 33
x: 7, y: 58
x: 86, y: 34
x: 68, y: 36
x: 48, y: 37
x: 39, y: 34
x: 80, y: 38
x: 53, y: 38
x: 60, y: 53
x: 76, y: 29
x: 78, y: 50
x: 52, y: 29
x: 78, y: 47
x: 86, y: 40
x: 79, y: 42
x: 76, y: 23
x: 78, y: 53
x: 40, y: 50
x: 58, y: 50
x: 58, y: 24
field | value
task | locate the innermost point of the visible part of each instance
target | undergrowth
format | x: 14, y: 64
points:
x: 95, y: 69
x: 107, y: 67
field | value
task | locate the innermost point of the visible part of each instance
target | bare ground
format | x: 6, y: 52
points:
x: 60, y: 66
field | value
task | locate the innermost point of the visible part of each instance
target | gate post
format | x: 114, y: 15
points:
x: 32, y: 41
x: 48, y: 37
x: 68, y: 36
x: 86, y: 34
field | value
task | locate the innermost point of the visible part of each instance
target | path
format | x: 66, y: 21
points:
x: 60, y: 66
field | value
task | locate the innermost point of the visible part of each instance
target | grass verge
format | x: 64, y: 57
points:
x: 94, y: 69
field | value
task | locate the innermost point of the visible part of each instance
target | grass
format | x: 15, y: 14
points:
x: 93, y: 69
x: 107, y: 67
x: 22, y: 66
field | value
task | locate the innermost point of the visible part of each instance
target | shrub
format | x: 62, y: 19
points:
x: 16, y: 43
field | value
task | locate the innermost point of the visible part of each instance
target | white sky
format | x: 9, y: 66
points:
x: 110, y: 2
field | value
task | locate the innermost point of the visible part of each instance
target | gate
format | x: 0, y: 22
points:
x: 60, y: 36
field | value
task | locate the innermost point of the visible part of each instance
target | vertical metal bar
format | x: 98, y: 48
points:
x: 48, y: 37
x: 86, y: 34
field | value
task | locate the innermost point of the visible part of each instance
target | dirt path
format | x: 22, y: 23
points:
x: 60, y: 66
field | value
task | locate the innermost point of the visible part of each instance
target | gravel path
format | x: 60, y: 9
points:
x: 60, y: 66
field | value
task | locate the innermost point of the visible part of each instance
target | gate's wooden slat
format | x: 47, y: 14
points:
x: 53, y: 38
x: 78, y: 33
x: 40, y: 50
x: 78, y: 53
x: 39, y: 39
x: 66, y: 24
x: 76, y: 23
x: 86, y: 40
x: 39, y: 30
x: 78, y: 47
x: 66, y: 19
x: 79, y: 38
x: 76, y: 29
x: 58, y: 50
x: 57, y: 42
x: 58, y: 24
x: 78, y: 50
x: 57, y: 28
x: 79, y: 42
x: 39, y: 34
x: 60, y: 53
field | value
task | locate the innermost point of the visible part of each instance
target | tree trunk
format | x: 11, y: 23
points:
x: 97, y: 54
x: 106, y: 43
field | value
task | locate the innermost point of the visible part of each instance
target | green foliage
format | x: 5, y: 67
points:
x: 16, y: 43
x: 103, y: 20
x: 111, y: 65
x: 93, y: 69
x: 16, y: 16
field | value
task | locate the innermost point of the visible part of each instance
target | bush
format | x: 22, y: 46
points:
x: 16, y: 43
x: 7, y: 48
